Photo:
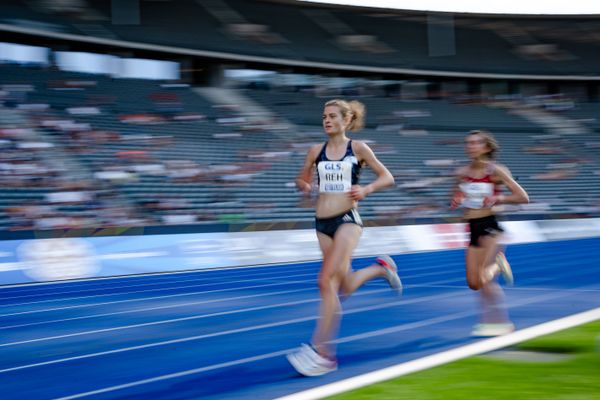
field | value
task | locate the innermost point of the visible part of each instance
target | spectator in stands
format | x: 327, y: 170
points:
x: 556, y: 175
x: 339, y: 226
x: 478, y: 190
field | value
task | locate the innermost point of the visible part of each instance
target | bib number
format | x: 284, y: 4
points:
x: 335, y: 176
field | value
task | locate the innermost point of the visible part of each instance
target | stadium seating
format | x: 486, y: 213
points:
x: 181, y: 161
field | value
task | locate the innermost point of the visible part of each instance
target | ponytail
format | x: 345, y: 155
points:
x: 354, y: 108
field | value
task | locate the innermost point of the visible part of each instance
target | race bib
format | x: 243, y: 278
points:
x: 475, y: 193
x: 335, y: 176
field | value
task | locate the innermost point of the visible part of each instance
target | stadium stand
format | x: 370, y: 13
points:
x: 83, y: 150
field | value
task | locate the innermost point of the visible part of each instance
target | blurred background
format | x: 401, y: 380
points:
x: 193, y: 113
x: 152, y: 145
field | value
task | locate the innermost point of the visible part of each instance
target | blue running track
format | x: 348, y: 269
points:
x: 223, y: 334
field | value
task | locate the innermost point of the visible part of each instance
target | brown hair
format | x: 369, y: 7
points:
x: 490, y: 142
x: 354, y: 108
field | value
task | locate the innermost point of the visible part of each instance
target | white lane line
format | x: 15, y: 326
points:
x: 150, y: 345
x: 205, y: 282
x: 431, y: 321
x: 165, y: 283
x: 94, y: 296
x: 182, y: 373
x: 445, y: 357
x: 310, y: 281
x: 215, y: 334
x: 208, y: 301
x: 236, y: 311
x: 140, y: 310
x: 159, y: 281
x: 191, y: 293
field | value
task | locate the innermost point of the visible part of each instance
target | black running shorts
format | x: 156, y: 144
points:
x: 486, y: 226
x: 329, y: 226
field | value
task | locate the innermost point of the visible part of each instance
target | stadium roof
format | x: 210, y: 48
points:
x: 547, y: 7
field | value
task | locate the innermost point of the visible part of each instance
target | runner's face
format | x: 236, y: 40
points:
x: 475, y: 146
x: 333, y: 122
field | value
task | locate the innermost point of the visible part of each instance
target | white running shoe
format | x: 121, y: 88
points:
x: 505, y: 269
x: 391, y: 272
x: 310, y: 363
x: 494, y: 329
